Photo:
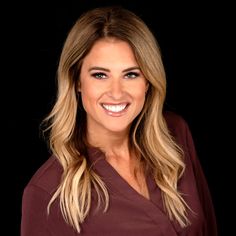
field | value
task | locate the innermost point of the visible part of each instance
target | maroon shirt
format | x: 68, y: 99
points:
x: 129, y: 213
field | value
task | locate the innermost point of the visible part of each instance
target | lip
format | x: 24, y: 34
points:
x: 118, y: 113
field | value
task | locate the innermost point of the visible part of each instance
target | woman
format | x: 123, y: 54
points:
x: 120, y: 164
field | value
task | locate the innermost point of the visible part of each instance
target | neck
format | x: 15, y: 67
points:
x: 111, y: 143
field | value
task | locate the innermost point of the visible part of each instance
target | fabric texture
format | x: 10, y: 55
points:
x: 129, y: 213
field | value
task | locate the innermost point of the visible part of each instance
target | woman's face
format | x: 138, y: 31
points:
x: 112, y: 86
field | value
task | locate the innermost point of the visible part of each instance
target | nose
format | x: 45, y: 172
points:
x: 116, y: 89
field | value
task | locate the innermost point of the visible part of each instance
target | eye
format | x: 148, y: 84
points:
x: 131, y: 75
x: 99, y: 75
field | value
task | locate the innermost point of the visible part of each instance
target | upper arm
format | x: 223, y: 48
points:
x: 202, y: 185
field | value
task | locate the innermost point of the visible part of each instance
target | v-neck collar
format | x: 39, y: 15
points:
x: 115, y: 181
x: 118, y: 185
x: 111, y: 176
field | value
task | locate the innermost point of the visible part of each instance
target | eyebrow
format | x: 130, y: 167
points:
x: 107, y: 70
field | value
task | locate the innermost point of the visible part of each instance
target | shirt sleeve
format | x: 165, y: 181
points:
x: 202, y: 187
x: 34, y: 214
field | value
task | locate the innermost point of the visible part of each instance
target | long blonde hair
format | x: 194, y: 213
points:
x: 149, y: 133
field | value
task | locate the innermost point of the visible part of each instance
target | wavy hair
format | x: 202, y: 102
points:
x: 149, y: 134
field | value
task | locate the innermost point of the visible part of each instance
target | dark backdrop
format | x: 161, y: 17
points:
x: 192, y: 40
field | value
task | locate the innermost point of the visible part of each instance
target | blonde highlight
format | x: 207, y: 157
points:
x: 149, y: 136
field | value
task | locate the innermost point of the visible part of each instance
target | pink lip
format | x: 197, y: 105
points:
x: 114, y: 104
x: 116, y: 114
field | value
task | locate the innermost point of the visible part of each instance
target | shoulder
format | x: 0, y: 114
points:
x: 179, y: 130
x: 176, y: 124
x: 36, y: 196
x: 47, y: 177
x: 181, y: 133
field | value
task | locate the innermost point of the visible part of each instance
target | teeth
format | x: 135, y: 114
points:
x: 114, y: 108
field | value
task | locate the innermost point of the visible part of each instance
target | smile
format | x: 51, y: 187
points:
x: 115, y: 108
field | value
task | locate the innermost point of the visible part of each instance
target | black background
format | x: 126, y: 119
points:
x: 194, y: 39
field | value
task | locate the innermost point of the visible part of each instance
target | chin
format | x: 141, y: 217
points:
x: 118, y: 129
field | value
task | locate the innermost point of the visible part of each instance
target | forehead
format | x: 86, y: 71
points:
x: 110, y: 49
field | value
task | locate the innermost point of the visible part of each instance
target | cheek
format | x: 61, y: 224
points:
x: 139, y: 92
x: 89, y: 94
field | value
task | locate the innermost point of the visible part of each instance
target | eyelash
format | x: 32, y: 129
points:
x: 99, y: 75
x: 129, y: 75
x: 132, y: 75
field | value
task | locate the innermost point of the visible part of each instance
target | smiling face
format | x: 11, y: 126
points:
x: 112, y: 87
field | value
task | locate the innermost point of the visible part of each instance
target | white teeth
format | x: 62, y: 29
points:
x: 114, y: 108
